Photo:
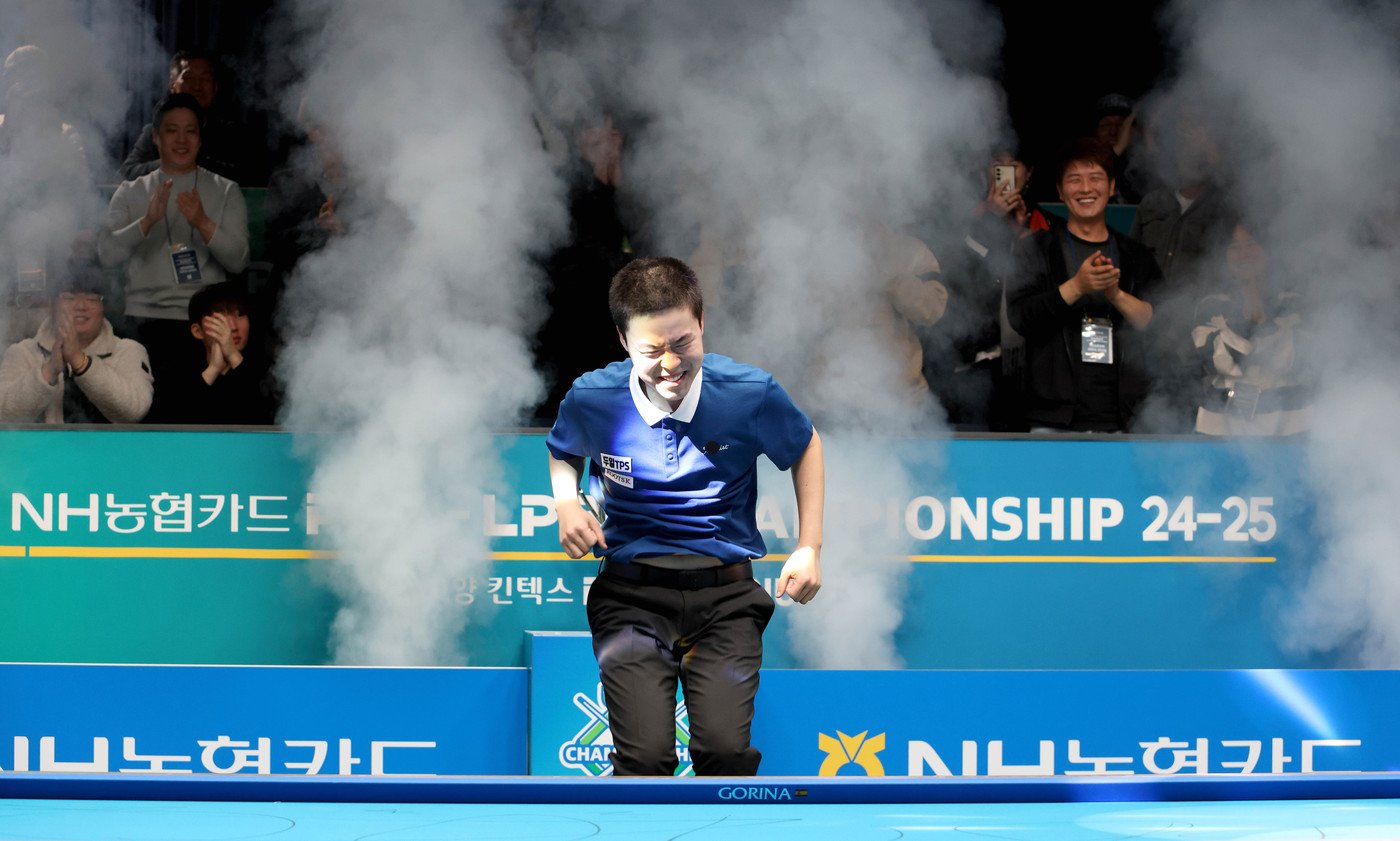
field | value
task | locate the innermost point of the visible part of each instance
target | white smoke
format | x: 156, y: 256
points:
x: 408, y: 335
x: 63, y: 96
x: 1314, y: 115
x: 787, y: 150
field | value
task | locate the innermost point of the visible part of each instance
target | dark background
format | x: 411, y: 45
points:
x: 1057, y: 59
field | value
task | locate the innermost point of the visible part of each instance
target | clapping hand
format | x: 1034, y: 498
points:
x: 191, y: 207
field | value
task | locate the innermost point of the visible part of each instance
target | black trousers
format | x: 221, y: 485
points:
x: 646, y: 638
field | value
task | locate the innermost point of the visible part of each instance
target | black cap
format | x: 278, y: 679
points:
x: 81, y: 277
x: 1113, y: 104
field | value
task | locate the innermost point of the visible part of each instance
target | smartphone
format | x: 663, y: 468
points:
x: 1004, y: 176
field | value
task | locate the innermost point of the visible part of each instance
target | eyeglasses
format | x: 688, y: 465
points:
x: 80, y: 297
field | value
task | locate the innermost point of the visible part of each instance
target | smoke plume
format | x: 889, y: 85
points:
x: 62, y: 97
x: 1308, y: 113
x: 788, y: 151
x: 407, y: 334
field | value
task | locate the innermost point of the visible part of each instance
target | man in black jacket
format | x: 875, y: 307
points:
x: 1080, y: 297
x: 226, y: 376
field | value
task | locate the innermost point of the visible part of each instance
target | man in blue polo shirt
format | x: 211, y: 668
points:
x: 673, y: 437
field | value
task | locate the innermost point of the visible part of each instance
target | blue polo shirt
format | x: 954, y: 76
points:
x: 686, y: 481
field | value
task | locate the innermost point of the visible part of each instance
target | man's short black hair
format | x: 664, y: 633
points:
x: 1085, y: 150
x: 227, y: 296
x: 170, y: 102
x: 651, y: 285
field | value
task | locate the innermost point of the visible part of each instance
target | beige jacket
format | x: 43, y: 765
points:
x: 118, y: 382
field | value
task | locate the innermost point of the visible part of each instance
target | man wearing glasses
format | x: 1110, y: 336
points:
x: 75, y: 369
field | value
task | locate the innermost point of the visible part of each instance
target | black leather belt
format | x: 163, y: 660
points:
x: 680, y: 579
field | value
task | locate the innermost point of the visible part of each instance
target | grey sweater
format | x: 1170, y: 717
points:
x: 151, y: 290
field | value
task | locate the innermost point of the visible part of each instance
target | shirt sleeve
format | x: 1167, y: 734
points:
x: 565, y: 440
x: 1033, y: 302
x: 783, y: 430
x: 120, y: 385
x: 230, y: 243
x: 1145, y: 285
x: 122, y: 231
x: 24, y: 393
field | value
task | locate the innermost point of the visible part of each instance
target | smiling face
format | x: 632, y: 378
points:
x: 666, y: 350
x: 177, y: 140
x: 1085, y: 188
x: 85, y: 309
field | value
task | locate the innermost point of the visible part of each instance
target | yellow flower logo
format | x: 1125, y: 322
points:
x: 846, y: 750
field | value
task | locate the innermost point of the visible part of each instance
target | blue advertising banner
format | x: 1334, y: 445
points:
x: 389, y: 722
x: 1022, y: 553
x: 232, y: 720
x: 1005, y: 724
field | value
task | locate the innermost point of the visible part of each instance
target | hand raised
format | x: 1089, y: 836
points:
x: 69, y: 346
x: 191, y: 207
x: 1096, y: 274
x: 155, y: 208
x: 218, y: 331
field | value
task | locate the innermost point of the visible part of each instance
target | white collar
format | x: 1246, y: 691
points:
x: 648, y: 410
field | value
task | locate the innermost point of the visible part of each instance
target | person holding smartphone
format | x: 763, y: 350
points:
x: 972, y: 357
x: 1006, y: 195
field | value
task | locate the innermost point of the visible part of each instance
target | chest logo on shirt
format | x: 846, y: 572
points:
x: 616, y: 463
x: 715, y: 447
x: 620, y: 478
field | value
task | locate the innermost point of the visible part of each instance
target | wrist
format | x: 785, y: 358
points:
x: 565, y: 505
x: 1070, y: 291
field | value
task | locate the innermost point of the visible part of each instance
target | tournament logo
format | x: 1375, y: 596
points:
x: 851, y: 750
x: 590, y: 750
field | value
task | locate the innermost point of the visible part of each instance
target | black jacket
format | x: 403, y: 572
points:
x: 226, y: 148
x: 1052, y: 328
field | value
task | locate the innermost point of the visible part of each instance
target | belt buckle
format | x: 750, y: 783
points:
x: 694, y: 579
